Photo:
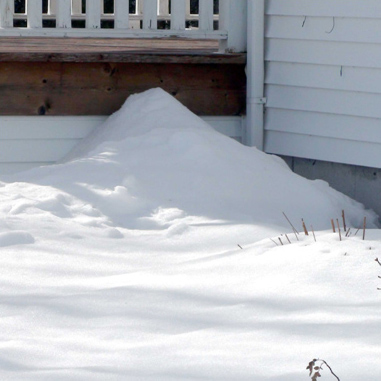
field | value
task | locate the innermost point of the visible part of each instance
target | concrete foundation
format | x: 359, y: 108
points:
x: 360, y: 183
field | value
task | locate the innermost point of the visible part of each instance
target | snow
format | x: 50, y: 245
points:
x: 152, y: 252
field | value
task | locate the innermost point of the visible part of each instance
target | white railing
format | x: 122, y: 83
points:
x: 60, y: 16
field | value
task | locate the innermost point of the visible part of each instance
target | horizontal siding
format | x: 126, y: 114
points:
x: 326, y: 149
x: 27, y: 142
x: 323, y: 80
x: 328, y: 8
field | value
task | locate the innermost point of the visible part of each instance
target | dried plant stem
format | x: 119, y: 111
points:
x: 274, y: 242
x: 304, y: 227
x: 364, y: 228
x: 338, y: 228
x: 378, y: 261
x: 357, y: 231
x: 344, y: 224
x: 292, y: 226
x: 330, y: 369
x: 313, y: 232
x: 348, y: 233
x: 288, y: 239
x: 240, y: 247
x: 280, y: 241
x: 333, y: 226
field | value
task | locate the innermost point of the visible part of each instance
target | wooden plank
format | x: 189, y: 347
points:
x: 346, y: 78
x: 324, y: 125
x: 324, y: 8
x: 327, y: 101
x: 206, y: 14
x: 93, y: 15
x: 6, y: 13
x: 100, y: 89
x: 326, y: 149
x: 121, y: 14
x: 64, y: 14
x: 34, y: 12
x: 324, y: 29
x: 324, y: 53
x: 178, y: 15
x: 150, y: 14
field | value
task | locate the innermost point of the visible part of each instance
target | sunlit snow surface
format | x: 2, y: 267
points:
x: 122, y: 262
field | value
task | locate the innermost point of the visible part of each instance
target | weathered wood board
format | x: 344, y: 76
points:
x: 94, y: 77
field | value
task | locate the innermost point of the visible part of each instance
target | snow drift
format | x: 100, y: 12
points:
x: 155, y: 165
x: 122, y: 262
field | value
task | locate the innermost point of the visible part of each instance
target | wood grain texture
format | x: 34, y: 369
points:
x: 52, y: 88
x: 16, y: 49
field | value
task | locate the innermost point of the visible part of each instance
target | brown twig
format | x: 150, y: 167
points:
x: 274, y: 242
x: 330, y: 369
x: 348, y: 233
x: 292, y: 226
x: 378, y: 261
x: 288, y: 239
x: 357, y: 231
x: 364, y: 228
x: 304, y: 227
x: 280, y: 241
x: 240, y: 247
x: 333, y: 226
x: 338, y: 227
x: 343, y: 215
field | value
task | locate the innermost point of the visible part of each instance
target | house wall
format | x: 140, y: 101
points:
x: 323, y: 80
x: 32, y: 141
x: 360, y: 183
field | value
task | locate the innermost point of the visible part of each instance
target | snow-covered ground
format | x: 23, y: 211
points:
x: 152, y: 252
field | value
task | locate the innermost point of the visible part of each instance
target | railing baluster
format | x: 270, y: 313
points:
x: 178, y: 11
x: 52, y: 7
x: 93, y: 14
x: 6, y: 13
x: 63, y: 14
x: 34, y: 13
x: 150, y: 14
x: 164, y: 7
x: 206, y: 14
x: 76, y: 7
x: 121, y: 11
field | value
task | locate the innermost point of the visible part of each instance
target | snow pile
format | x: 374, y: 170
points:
x: 122, y: 262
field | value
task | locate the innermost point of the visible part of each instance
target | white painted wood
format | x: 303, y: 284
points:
x: 93, y: 14
x: 121, y: 14
x: 76, y: 7
x: 323, y: 80
x: 34, y: 13
x: 323, y: 53
x: 42, y: 140
x: 206, y: 14
x: 6, y: 13
x: 331, y: 77
x: 114, y: 33
x: 63, y: 14
x: 52, y: 7
x: 327, y: 149
x: 233, y: 19
x: 325, y: 8
x: 320, y: 100
x: 178, y: 10
x: 164, y: 6
x: 317, y: 28
x: 255, y: 72
x: 150, y: 14
x: 324, y: 125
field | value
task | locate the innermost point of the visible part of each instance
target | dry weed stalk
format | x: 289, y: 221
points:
x: 315, y: 366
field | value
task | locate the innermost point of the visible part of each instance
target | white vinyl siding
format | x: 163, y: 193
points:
x: 323, y: 80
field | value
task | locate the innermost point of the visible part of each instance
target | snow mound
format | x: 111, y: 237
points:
x: 155, y: 165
